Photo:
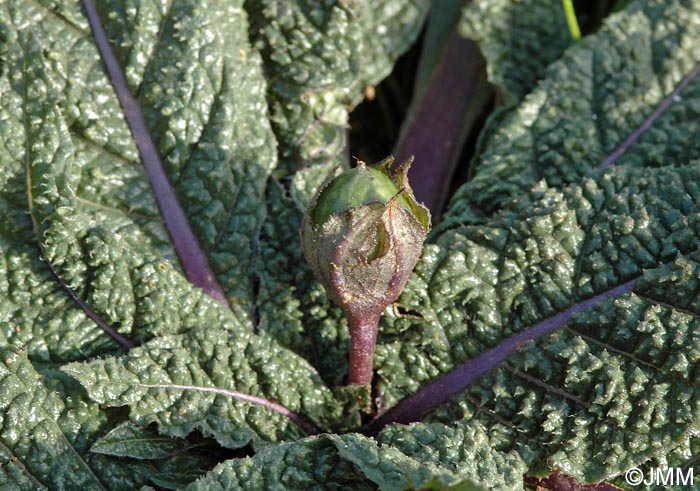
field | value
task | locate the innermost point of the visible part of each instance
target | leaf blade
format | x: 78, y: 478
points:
x: 619, y: 237
x: 592, y: 100
x: 200, y: 381
x: 335, y: 460
x: 518, y: 39
x: 186, y: 244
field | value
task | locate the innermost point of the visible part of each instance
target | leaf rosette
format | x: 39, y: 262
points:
x: 566, y: 269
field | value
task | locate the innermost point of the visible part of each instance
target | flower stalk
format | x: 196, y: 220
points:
x: 363, y: 339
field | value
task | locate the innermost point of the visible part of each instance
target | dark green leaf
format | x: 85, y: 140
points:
x: 129, y: 440
x: 593, y: 398
x: 518, y: 38
x: 331, y: 462
x: 226, y: 385
x: 602, y: 92
x: 229, y: 88
x: 46, y: 432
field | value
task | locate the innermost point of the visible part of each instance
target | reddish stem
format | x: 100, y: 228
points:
x: 363, y: 338
x: 439, y: 124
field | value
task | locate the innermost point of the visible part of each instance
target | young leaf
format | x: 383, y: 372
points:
x: 175, y: 480
x: 318, y: 57
x: 129, y: 440
x: 171, y: 463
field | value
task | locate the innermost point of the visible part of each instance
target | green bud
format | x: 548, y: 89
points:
x: 362, y: 235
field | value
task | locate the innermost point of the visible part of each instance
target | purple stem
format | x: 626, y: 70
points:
x: 439, y: 390
x: 636, y: 134
x: 308, y: 427
x: 106, y: 327
x: 437, y: 129
x: 192, y: 257
x: 363, y: 339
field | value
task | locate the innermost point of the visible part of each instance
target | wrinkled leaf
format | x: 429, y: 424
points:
x: 555, y: 401
x: 593, y: 99
x: 331, y: 462
x: 683, y: 457
x: 464, y: 449
x: 47, y: 430
x: 231, y: 88
x: 319, y: 56
x: 203, y: 113
x: 200, y: 381
x: 518, y: 38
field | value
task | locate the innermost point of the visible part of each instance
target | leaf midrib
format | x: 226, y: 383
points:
x: 192, y: 258
x: 648, y: 123
x: 440, y: 389
x: 308, y: 427
x: 414, y: 406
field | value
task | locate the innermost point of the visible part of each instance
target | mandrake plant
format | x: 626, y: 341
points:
x: 160, y: 329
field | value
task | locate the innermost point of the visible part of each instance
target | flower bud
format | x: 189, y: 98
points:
x: 362, y: 235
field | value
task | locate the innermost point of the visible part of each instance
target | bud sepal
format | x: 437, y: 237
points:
x: 362, y: 235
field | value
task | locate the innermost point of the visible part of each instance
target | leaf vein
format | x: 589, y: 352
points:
x: 609, y: 347
x: 156, y: 46
x: 274, y: 406
x: 540, y: 383
x: 61, y: 18
x: 16, y: 461
x: 92, y: 204
x: 647, y: 124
